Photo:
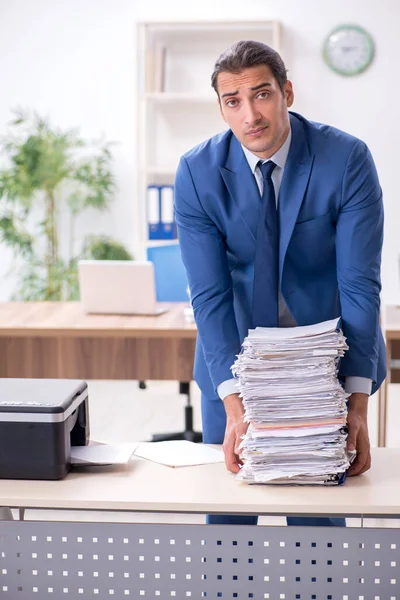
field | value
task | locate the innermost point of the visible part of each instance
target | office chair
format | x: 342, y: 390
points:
x: 171, y: 285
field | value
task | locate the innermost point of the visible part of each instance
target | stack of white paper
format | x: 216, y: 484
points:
x: 295, y: 405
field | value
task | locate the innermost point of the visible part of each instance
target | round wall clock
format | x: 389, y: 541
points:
x: 348, y: 49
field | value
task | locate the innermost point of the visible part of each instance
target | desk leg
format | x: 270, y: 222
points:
x: 5, y: 514
x: 383, y: 399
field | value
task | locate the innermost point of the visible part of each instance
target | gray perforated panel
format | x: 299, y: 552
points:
x: 40, y: 560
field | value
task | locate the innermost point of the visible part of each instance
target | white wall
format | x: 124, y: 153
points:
x: 75, y: 61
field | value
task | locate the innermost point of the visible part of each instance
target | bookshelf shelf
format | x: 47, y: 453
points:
x: 189, y: 28
x: 156, y: 243
x: 180, y: 97
x: 155, y: 170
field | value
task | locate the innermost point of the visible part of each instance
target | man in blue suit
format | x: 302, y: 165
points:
x: 280, y: 223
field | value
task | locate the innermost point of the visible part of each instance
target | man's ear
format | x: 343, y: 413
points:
x: 288, y: 93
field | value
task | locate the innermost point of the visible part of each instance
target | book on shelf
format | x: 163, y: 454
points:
x: 155, y: 68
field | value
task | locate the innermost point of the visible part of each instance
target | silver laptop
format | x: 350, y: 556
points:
x: 119, y: 287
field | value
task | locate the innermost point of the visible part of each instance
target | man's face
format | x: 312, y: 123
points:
x: 254, y: 107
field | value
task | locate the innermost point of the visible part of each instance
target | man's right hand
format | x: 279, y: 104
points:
x: 235, y: 428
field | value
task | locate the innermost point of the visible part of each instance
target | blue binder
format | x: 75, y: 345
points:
x: 160, y: 212
x: 168, y: 226
x: 154, y: 212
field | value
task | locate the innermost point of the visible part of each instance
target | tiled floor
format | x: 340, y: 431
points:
x: 121, y: 412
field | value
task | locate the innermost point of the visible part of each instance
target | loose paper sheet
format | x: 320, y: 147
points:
x: 179, y: 453
x: 102, y: 454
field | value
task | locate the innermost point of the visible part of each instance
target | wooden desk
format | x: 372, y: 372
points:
x: 391, y: 331
x: 97, y: 560
x: 56, y: 339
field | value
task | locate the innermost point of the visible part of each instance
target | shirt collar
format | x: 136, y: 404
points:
x: 279, y: 158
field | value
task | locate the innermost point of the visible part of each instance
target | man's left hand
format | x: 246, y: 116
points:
x: 358, y: 439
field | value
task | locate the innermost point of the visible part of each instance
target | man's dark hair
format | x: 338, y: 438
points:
x: 246, y: 54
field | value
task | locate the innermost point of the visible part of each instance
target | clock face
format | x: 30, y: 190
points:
x: 348, y: 50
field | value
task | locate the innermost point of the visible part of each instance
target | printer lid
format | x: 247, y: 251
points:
x: 40, y: 399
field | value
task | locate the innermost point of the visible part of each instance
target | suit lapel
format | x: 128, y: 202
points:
x: 293, y: 187
x: 242, y: 186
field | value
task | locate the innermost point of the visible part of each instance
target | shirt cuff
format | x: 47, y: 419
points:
x: 227, y: 387
x: 358, y: 385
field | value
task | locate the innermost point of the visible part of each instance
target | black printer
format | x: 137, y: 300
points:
x: 40, y: 419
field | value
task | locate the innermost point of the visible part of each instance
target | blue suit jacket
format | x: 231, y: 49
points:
x: 331, y: 229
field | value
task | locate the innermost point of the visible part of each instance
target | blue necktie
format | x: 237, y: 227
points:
x: 266, y: 263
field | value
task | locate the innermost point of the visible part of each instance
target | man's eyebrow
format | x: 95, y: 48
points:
x: 261, y: 85
x: 253, y: 89
x: 229, y: 94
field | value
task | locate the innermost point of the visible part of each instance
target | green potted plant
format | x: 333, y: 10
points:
x: 102, y: 247
x: 50, y: 178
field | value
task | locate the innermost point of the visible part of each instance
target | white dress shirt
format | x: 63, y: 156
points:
x: 353, y: 384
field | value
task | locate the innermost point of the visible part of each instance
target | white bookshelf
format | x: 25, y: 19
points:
x: 177, y: 108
